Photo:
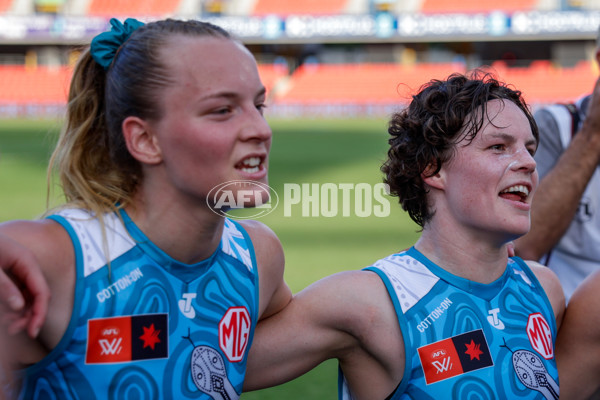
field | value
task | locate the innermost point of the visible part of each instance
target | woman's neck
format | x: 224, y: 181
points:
x: 187, y: 235
x: 471, y: 258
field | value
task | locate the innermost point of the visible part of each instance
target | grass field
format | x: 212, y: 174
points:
x: 319, y: 151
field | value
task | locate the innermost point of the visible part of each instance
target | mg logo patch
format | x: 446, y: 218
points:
x: 234, y: 333
x: 455, y: 356
x: 540, y: 335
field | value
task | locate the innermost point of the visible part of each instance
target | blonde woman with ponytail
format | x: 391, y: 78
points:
x: 154, y: 292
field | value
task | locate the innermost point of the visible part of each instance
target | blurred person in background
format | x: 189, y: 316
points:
x: 578, y: 343
x: 454, y: 315
x: 565, y: 217
x: 154, y: 293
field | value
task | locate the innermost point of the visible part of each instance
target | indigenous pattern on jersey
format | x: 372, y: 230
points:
x: 469, y: 340
x: 146, y: 326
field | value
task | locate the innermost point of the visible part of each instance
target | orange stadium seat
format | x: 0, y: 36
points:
x: 473, y: 6
x: 342, y: 84
x: 270, y: 74
x: 41, y: 85
x: 112, y: 8
x: 313, y: 7
x: 22, y: 85
x: 393, y: 84
x: 567, y: 84
x: 5, y: 5
x: 361, y: 83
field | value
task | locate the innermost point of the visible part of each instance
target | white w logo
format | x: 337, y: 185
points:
x: 110, y: 347
x: 442, y: 366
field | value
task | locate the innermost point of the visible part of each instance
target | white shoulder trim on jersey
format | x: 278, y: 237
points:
x: 410, y: 278
x: 564, y: 120
x: 89, y: 232
x: 234, y: 243
x: 517, y: 270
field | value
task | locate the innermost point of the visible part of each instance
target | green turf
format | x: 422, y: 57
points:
x: 308, y: 151
x: 25, y: 148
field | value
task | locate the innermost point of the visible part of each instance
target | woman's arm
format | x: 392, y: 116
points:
x: 52, y: 250
x: 24, y: 292
x: 578, y: 343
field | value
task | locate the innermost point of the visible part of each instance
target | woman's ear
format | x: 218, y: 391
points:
x: 433, y: 178
x: 141, y: 143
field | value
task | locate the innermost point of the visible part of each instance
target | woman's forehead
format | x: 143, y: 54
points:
x: 494, y: 116
x: 200, y: 67
x: 206, y: 56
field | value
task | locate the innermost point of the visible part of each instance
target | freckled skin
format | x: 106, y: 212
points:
x: 500, y: 156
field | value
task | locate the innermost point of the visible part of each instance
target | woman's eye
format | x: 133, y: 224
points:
x: 497, y: 147
x: 222, y: 110
x: 261, y: 107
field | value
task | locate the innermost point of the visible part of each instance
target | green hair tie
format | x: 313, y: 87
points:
x: 105, y: 45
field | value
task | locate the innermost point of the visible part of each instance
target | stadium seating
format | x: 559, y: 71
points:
x: 391, y: 84
x: 132, y: 8
x: 313, y: 7
x: 473, y: 6
x: 5, y: 5
x: 272, y: 74
x: 315, y: 85
x: 360, y: 83
x: 21, y: 85
x: 543, y: 83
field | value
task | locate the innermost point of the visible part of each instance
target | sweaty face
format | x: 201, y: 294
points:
x: 489, y: 183
x: 212, y: 128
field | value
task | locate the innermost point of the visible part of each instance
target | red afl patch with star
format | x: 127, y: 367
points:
x: 127, y: 338
x: 455, y: 356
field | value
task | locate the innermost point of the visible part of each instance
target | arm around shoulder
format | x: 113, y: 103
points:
x: 299, y: 337
x: 348, y: 316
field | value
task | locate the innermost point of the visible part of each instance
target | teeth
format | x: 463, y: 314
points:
x: 517, y: 188
x: 250, y: 170
x: 251, y: 162
x: 251, y: 165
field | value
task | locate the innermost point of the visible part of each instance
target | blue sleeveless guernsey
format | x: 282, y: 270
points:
x: 146, y: 326
x: 466, y: 340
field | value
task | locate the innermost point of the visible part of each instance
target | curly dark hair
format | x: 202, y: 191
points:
x: 424, y: 134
